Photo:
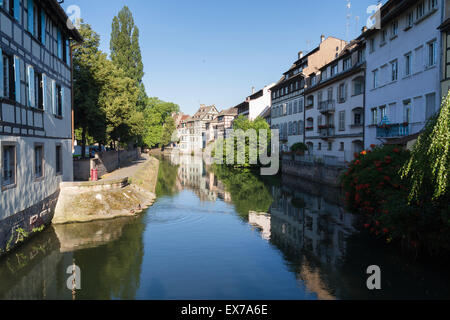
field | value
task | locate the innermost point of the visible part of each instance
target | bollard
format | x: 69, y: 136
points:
x: 94, y: 174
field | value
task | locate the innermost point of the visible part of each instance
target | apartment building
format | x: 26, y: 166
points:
x: 403, y: 71
x: 222, y: 123
x: 35, y: 113
x: 334, y: 107
x: 254, y: 104
x: 193, y: 130
x: 445, y: 55
x: 287, y: 109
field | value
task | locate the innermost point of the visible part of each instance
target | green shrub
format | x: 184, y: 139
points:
x: 299, y: 148
x: 375, y: 189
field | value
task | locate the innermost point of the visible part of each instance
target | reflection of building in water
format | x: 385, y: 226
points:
x: 260, y: 220
x: 310, y: 230
x: 308, y: 222
x: 194, y: 174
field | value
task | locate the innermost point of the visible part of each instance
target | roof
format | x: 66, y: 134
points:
x: 62, y: 18
x: 203, y: 111
x: 229, y: 112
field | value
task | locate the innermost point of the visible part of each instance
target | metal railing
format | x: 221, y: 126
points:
x: 393, y: 130
x: 327, y: 106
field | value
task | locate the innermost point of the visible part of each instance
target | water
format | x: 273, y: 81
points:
x: 219, y: 235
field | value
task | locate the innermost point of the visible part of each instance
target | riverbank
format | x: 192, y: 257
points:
x: 122, y: 193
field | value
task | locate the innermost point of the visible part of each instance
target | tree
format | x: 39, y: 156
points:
x: 429, y: 165
x: 125, y: 49
x: 88, y: 116
x: 156, y: 114
x: 168, y: 130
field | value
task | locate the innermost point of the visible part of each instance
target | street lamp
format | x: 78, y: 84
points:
x: 118, y: 153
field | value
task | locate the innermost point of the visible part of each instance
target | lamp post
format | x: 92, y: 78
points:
x: 118, y: 153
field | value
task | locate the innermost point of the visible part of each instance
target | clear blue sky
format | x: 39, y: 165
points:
x: 213, y: 52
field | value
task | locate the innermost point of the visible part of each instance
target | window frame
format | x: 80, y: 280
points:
x: 60, y: 158
x: 3, y: 145
x: 42, y: 159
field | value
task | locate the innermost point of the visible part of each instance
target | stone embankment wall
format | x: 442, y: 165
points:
x: 107, y: 199
x: 315, y: 172
x: 104, y: 162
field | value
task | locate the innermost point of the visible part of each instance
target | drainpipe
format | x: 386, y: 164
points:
x: 72, y: 93
x: 364, y: 107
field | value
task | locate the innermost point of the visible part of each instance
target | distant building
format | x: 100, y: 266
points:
x: 403, y: 71
x: 193, y: 129
x: 288, y: 104
x: 35, y: 113
x: 335, y: 106
x: 445, y: 60
x: 256, y: 103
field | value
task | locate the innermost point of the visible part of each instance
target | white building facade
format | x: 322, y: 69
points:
x: 335, y: 113
x: 288, y: 103
x: 403, y: 71
x: 35, y: 114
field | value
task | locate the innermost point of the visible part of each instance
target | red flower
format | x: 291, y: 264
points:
x: 385, y: 211
x: 366, y: 225
x: 377, y: 223
x: 396, y: 150
x: 385, y: 230
x: 372, y: 146
x: 387, y: 178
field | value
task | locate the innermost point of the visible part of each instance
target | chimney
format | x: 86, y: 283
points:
x: 364, y: 29
x: 300, y: 54
x: 253, y: 90
x: 322, y: 38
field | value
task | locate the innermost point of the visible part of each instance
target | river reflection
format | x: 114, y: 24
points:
x: 217, y: 233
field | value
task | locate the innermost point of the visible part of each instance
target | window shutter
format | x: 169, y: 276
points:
x: 17, y: 77
x: 63, y: 101
x: 2, y: 85
x: 16, y: 9
x: 31, y: 16
x: 54, y: 96
x: 59, y: 44
x: 31, y: 96
x: 43, y: 27
x: 44, y: 91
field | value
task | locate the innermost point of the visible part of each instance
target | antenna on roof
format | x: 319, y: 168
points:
x: 349, y: 15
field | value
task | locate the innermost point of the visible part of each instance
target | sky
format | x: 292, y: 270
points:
x: 213, y: 52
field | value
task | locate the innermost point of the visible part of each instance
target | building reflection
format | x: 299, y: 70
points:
x: 193, y: 174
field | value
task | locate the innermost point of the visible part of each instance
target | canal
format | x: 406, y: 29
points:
x: 220, y: 234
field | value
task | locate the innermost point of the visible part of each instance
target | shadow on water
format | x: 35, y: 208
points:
x: 109, y: 254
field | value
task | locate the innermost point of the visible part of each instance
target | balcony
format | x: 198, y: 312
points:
x: 395, y: 130
x: 326, y: 131
x: 327, y: 106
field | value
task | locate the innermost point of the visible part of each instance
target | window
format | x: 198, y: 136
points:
x: 432, y: 53
x: 295, y: 106
x: 408, y: 64
x: 341, y: 120
x: 290, y: 108
x: 341, y: 148
x: 357, y: 119
x: 8, y: 77
x: 334, y: 70
x: 372, y: 45
x: 432, y: 4
x: 39, y: 91
x: 383, y: 113
x: 420, y: 10
x: 342, y: 92
x: 346, y: 64
x: 58, y: 101
x: 330, y: 146
x: 394, y: 70
x: 394, y: 28
x: 360, y: 56
x: 319, y: 146
x: 430, y: 105
x: 410, y: 20
x: 375, y: 78
x: 38, y: 161
x: 358, y: 86
x: 374, y: 116
x: 383, y: 37
x: 330, y: 94
x: 9, y: 165
x: 407, y: 111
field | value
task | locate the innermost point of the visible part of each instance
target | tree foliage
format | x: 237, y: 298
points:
x: 429, y: 165
x: 157, y: 113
